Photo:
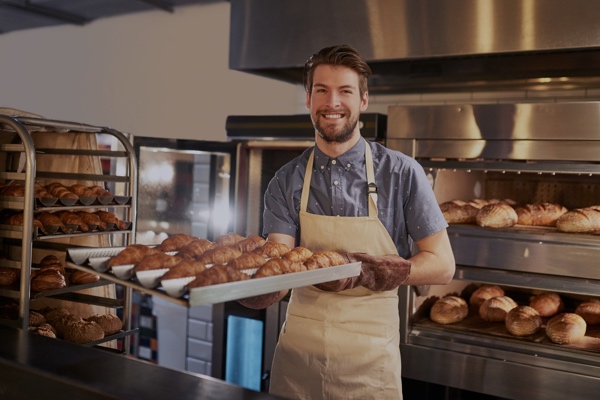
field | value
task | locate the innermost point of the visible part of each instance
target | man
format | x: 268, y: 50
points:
x: 341, y: 338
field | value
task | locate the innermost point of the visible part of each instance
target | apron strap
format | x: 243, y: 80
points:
x: 371, y: 185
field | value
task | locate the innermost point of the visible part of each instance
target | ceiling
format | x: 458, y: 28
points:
x: 29, y: 14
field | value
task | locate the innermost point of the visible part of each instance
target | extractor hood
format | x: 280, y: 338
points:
x: 16, y: 15
x: 426, y: 45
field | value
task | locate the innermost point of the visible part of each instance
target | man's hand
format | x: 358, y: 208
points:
x: 378, y: 273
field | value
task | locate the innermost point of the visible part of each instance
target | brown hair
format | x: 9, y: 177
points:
x: 342, y: 55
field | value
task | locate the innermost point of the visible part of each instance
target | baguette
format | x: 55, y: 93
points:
x: 580, y: 220
x: 539, y: 214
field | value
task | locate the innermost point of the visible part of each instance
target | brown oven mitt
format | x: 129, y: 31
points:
x: 262, y: 301
x: 378, y: 273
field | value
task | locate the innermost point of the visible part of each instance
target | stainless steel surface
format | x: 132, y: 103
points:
x: 528, y: 153
x: 414, y: 44
x: 496, y: 376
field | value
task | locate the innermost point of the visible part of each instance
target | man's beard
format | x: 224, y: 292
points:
x: 333, y: 134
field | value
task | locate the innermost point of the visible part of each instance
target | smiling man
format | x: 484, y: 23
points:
x: 341, y: 338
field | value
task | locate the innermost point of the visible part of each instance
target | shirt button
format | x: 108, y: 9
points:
x: 333, y: 162
x: 335, y: 183
x: 348, y: 166
x: 322, y: 167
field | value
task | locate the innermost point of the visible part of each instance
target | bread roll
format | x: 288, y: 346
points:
x: 48, y: 280
x: 539, y: 214
x: 580, y: 220
x: 110, y: 323
x: 589, y: 311
x: 566, y: 328
x: 523, y: 321
x: 82, y: 332
x: 483, y: 293
x: 499, y: 215
x: 496, y: 308
x: 547, y: 304
x: 449, y: 310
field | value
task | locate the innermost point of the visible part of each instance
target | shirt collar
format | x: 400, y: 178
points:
x: 353, y: 156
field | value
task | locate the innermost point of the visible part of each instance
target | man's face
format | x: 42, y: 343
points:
x: 335, y: 103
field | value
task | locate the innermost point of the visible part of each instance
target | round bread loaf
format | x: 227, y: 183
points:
x: 496, y: 308
x: 589, y: 311
x: 499, y: 215
x: 483, y: 293
x: 83, y: 332
x: 109, y: 323
x: 449, y: 310
x: 8, y: 275
x: 547, y: 304
x: 36, y: 318
x: 566, y: 328
x: 43, y: 330
x: 523, y: 321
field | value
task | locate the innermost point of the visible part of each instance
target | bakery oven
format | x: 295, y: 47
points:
x: 527, y: 153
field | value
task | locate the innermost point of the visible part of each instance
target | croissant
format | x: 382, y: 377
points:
x: 298, y: 254
x: 247, y: 261
x: 50, y: 220
x: 217, y: 274
x: 91, y: 219
x: 100, y: 191
x: 70, y: 218
x: 157, y: 261
x: 229, y: 239
x: 17, y: 220
x: 40, y: 192
x: 324, y: 259
x: 195, y: 248
x: 132, y: 254
x: 278, y: 266
x: 53, y: 185
x: 13, y: 189
x: 111, y: 218
x: 175, y: 242
x: 219, y: 255
x: 62, y: 193
x: 82, y: 191
x: 272, y: 249
x: 250, y: 244
x: 185, y: 269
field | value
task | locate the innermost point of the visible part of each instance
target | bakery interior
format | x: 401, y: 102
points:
x: 174, y: 109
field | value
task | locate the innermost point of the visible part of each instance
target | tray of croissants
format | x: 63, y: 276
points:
x: 59, y: 194
x: 506, y: 213
x: 201, y: 271
x: 540, y: 316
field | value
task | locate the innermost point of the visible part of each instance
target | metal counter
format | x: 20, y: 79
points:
x: 33, y: 366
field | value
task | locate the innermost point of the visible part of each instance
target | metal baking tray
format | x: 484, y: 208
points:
x: 79, y: 259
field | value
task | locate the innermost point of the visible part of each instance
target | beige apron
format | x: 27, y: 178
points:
x: 342, y: 345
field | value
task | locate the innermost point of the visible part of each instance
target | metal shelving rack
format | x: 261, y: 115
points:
x: 22, y: 143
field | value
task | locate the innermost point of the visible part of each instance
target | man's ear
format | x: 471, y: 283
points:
x: 307, y: 100
x: 364, y: 102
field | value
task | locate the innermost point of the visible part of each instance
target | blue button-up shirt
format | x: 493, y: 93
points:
x: 406, y: 204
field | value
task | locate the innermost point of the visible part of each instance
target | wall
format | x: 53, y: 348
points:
x: 153, y: 74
